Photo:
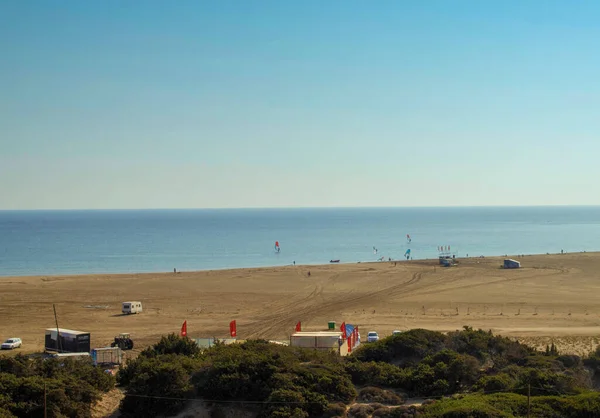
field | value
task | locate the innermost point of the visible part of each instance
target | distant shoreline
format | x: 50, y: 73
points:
x: 271, y: 267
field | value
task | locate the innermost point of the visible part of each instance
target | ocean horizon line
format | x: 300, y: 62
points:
x: 297, y: 208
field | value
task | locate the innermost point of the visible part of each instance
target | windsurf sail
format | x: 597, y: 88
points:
x: 277, y: 248
x: 407, y: 254
x: 408, y: 238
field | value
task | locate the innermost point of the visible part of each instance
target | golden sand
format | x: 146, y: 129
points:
x: 552, y: 298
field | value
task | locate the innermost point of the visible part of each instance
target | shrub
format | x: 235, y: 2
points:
x: 374, y: 394
x: 360, y: 411
x: 467, y: 407
x: 495, y: 383
x: 405, y: 348
x: 508, y: 405
x: 173, y: 344
x: 261, y: 371
x: 570, y: 361
x: 381, y: 374
x: 71, y: 386
x: 156, y: 385
x: 335, y: 411
x: 396, y: 412
x: 5, y: 413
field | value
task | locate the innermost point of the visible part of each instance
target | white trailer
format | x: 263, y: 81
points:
x: 321, y: 340
x: 131, y: 307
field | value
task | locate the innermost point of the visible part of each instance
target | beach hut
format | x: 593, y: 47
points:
x: 511, y: 264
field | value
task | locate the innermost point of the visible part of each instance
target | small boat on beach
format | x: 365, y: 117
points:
x: 334, y: 261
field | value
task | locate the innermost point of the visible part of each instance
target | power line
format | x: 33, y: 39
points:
x: 234, y: 401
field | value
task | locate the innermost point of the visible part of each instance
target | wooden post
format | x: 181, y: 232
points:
x: 58, y: 345
x: 528, y: 400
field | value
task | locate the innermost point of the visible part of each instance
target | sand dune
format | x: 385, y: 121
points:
x: 552, y: 298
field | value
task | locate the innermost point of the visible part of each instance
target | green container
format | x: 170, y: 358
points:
x: 331, y: 325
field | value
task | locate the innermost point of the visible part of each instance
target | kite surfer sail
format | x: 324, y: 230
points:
x: 277, y: 249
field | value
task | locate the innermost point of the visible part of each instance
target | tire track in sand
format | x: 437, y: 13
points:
x: 276, y: 322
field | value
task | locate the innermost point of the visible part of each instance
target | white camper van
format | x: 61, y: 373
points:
x: 131, y: 307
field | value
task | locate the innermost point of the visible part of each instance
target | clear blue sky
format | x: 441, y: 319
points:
x: 156, y: 104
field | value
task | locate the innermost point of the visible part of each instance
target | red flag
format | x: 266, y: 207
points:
x: 184, y: 329
x: 343, y: 329
x: 350, y: 343
x: 298, y: 327
x: 357, y: 337
x: 233, y: 329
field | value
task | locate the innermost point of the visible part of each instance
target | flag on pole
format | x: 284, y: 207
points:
x: 184, y: 329
x: 298, y: 327
x: 233, y: 329
x: 349, y: 342
x: 343, y: 329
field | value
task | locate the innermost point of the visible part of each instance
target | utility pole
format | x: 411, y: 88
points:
x: 58, y: 344
x: 45, y: 410
x: 528, y: 400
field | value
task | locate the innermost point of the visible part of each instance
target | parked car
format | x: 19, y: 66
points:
x: 372, y: 336
x: 11, y: 343
x: 396, y: 332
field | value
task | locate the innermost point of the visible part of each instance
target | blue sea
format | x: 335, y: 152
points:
x: 126, y: 241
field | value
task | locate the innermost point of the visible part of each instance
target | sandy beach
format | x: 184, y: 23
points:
x: 552, y: 298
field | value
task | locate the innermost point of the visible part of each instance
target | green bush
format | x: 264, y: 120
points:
x: 360, y: 411
x: 406, y: 348
x: 72, y: 386
x: 484, y: 345
x: 156, y: 385
x: 509, y: 405
x: 173, y: 344
x: 294, y: 382
x: 396, y: 412
x: 500, y: 382
x: 467, y: 407
x: 374, y: 394
x: 337, y: 410
x: 570, y: 361
x: 5, y: 413
x: 379, y: 374
x: 257, y: 370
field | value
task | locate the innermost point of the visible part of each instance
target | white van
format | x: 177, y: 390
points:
x: 131, y: 307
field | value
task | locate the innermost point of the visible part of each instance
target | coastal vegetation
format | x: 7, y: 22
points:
x: 60, y: 387
x: 418, y: 373
x: 466, y: 373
